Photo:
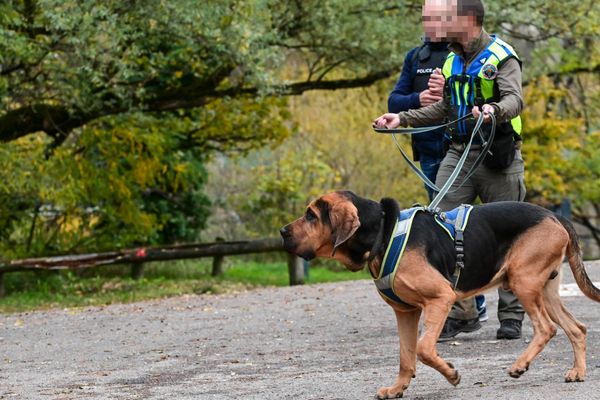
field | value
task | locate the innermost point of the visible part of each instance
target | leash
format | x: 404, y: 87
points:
x: 412, y: 131
x: 445, y: 189
x: 476, y: 130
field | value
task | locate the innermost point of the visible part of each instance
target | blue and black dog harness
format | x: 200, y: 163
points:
x: 453, y: 222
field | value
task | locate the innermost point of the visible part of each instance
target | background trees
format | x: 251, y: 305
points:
x: 122, y: 121
x: 68, y: 63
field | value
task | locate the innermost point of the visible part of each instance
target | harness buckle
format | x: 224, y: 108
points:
x: 436, y: 211
x: 460, y: 255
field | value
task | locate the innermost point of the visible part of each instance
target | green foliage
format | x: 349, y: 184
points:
x: 281, y: 189
x: 364, y: 161
x: 68, y: 62
x: 553, y: 36
x: 126, y: 180
x: 584, y: 172
x: 335, y: 148
x: 108, y: 187
x: 108, y: 175
x: 562, y: 157
x: 136, y: 97
x: 548, y: 142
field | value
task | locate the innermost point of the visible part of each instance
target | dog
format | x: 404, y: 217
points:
x: 517, y: 245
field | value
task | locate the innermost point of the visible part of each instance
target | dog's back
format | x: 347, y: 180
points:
x: 491, y: 231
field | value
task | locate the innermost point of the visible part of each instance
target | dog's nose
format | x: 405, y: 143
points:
x: 285, y: 232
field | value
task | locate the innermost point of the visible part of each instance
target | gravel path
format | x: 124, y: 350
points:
x: 328, y: 341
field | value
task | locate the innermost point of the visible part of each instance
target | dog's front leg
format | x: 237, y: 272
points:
x: 408, y: 330
x: 436, y: 311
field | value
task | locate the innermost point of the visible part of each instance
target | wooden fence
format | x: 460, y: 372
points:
x: 137, y: 257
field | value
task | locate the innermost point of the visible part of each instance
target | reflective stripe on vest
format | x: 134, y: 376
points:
x: 475, y: 84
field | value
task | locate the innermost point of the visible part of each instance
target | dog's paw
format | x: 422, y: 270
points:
x: 575, y: 375
x: 516, y: 372
x: 454, y: 377
x: 392, y: 392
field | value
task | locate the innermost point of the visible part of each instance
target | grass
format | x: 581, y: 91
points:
x: 26, y: 291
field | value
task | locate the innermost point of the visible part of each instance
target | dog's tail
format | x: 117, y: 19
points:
x: 574, y: 256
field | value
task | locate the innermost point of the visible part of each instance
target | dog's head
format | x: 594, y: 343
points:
x: 329, y: 226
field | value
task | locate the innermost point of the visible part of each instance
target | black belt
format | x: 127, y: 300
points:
x: 462, y: 146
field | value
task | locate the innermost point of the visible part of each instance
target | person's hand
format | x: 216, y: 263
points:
x: 436, y: 83
x: 426, y: 97
x: 388, y: 120
x: 486, y: 109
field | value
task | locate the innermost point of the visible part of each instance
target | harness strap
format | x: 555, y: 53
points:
x: 455, y: 220
x: 459, y: 226
x: 385, y: 281
x: 479, y: 99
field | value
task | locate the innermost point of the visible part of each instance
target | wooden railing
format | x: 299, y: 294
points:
x: 137, y: 257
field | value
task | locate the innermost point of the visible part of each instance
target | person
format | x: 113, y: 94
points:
x: 421, y: 84
x: 483, y: 76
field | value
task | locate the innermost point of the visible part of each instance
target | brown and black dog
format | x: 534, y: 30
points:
x: 518, y: 245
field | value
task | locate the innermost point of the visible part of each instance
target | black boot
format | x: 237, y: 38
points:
x: 509, y: 329
x: 453, y: 327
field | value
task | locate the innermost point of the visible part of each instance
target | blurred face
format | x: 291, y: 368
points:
x: 441, y: 22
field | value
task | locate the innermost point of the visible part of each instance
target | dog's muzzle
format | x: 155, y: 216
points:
x: 290, y: 245
x: 288, y: 240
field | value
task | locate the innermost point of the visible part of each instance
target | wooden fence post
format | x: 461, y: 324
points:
x: 296, y: 270
x: 137, y: 270
x: 217, y: 265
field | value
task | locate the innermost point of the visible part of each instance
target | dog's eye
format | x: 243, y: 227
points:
x: 310, y: 216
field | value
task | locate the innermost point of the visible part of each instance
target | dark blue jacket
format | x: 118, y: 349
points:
x: 405, y: 97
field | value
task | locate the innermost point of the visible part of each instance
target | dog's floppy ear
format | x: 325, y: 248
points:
x: 344, y: 222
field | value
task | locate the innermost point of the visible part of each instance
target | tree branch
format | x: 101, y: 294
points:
x: 58, y: 121
x: 570, y: 72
